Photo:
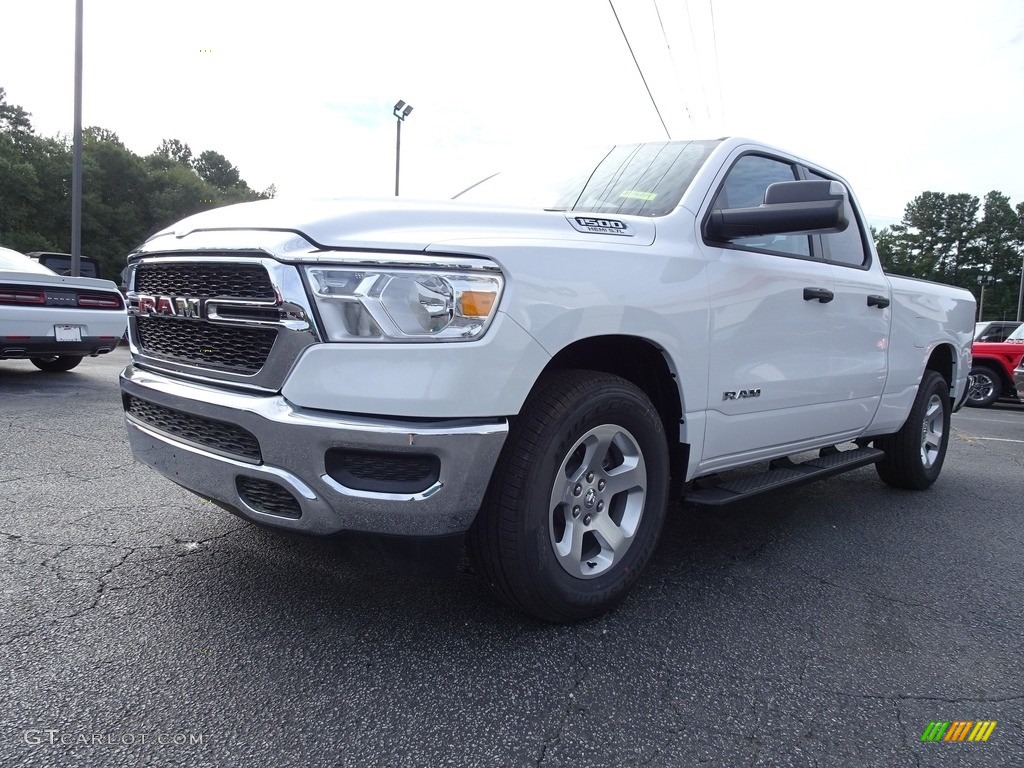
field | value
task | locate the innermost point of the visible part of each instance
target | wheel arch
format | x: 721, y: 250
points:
x: 644, y: 364
x: 943, y: 361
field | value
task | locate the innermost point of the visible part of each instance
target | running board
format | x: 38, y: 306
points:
x: 781, y: 473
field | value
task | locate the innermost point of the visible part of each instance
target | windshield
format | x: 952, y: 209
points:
x: 639, y: 179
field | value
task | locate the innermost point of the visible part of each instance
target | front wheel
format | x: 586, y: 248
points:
x: 914, y: 455
x: 577, y: 500
x: 56, y: 363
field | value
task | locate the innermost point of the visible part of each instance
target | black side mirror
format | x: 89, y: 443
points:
x: 790, y: 207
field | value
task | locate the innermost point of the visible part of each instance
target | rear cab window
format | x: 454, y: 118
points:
x: 844, y: 248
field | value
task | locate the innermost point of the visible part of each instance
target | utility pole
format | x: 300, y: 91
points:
x: 1020, y: 292
x: 76, y: 161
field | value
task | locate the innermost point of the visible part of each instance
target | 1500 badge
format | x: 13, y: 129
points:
x: 601, y: 226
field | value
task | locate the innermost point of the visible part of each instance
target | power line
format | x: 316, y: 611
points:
x: 672, y: 58
x: 696, y: 55
x: 718, y: 71
x: 637, y: 63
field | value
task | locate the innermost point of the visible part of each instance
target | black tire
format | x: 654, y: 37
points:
x: 577, y: 500
x: 983, y: 387
x: 57, y: 363
x: 914, y: 455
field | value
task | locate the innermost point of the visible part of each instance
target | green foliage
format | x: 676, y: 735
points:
x: 959, y: 240
x: 13, y: 119
x: 172, y: 149
x: 125, y: 197
x: 214, y: 168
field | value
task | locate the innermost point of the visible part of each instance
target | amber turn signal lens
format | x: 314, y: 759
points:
x: 477, y: 303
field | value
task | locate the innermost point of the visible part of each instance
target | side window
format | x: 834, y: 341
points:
x: 744, y: 187
x: 845, y: 247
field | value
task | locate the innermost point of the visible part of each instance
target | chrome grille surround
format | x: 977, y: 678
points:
x: 217, y: 334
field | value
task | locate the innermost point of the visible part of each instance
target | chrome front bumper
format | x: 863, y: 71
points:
x: 293, y: 444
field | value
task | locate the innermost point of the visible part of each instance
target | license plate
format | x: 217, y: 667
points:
x: 67, y: 332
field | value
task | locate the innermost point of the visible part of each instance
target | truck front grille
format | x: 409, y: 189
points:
x: 223, y: 280
x: 238, y: 349
x: 238, y: 318
x: 218, y: 437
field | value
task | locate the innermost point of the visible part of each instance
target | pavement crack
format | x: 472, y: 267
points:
x: 101, y: 586
x: 940, y: 699
x: 883, y: 597
x: 571, y: 703
x: 903, y: 730
x: 567, y: 710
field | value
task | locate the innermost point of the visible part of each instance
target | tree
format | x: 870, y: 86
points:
x: 114, y: 195
x: 942, y: 238
x: 175, y: 150
x: 34, y: 180
x: 941, y: 232
x: 174, y: 191
x: 125, y: 197
x: 1000, y: 248
x: 13, y: 119
x: 936, y: 240
x: 215, y: 168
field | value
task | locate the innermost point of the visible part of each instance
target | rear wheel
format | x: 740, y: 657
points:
x: 56, y: 363
x: 577, y: 500
x: 914, y: 455
x: 983, y: 387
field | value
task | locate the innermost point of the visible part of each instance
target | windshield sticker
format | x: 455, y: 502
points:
x: 601, y: 226
x: 636, y: 194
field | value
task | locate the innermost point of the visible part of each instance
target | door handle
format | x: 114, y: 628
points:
x: 818, y: 294
x: 878, y: 301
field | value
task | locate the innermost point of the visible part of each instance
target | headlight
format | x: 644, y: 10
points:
x: 366, y: 304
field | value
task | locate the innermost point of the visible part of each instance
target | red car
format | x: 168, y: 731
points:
x: 992, y: 370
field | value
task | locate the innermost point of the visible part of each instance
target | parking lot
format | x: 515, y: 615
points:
x: 823, y: 626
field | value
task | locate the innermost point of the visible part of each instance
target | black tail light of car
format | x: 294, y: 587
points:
x: 12, y: 295
x: 100, y: 301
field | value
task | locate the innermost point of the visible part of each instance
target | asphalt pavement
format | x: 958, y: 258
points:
x: 824, y: 626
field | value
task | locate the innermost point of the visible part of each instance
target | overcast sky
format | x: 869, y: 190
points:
x: 898, y: 96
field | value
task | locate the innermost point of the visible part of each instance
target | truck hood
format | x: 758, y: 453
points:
x: 401, y: 224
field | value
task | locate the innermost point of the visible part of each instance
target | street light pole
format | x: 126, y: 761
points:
x: 401, y: 111
x: 1020, y: 292
x: 983, y: 280
x: 76, y: 152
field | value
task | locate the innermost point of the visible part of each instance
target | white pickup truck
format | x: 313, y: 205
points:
x: 537, y: 367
